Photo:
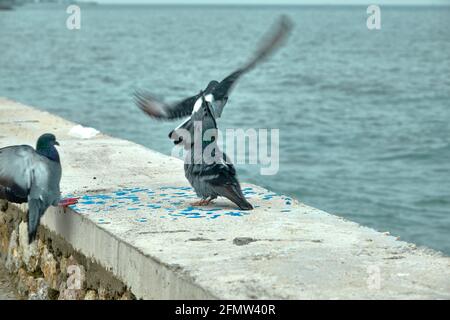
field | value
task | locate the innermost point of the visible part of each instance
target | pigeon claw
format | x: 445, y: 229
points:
x: 67, y: 202
x: 202, y: 202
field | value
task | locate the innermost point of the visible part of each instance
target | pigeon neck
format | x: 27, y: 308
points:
x: 48, y: 151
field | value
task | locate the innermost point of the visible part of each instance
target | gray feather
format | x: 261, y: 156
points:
x: 220, y: 91
x: 36, y: 209
x: 211, y: 180
x: 26, y: 176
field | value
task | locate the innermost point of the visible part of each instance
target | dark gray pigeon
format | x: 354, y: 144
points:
x: 33, y: 176
x: 208, y: 169
x: 216, y: 93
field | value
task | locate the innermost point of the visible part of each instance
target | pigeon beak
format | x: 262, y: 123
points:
x: 56, y: 143
x: 176, y: 139
x: 180, y: 139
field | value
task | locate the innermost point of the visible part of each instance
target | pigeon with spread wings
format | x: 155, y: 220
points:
x: 207, y: 168
x: 216, y: 92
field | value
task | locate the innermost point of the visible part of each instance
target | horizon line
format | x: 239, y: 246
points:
x: 267, y: 4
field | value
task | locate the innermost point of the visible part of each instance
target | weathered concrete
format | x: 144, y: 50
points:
x: 135, y: 220
x: 50, y: 268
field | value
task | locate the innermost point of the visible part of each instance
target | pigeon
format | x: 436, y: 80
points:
x: 216, y: 93
x: 32, y: 176
x: 211, y: 174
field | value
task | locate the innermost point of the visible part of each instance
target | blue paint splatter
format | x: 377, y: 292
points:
x: 87, y: 202
x: 234, y: 213
x: 171, y: 201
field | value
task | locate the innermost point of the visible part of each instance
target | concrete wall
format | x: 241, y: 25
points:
x: 134, y: 220
x: 50, y: 268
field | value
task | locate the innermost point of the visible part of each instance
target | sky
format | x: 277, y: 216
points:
x: 360, y: 2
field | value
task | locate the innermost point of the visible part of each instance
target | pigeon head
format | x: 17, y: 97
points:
x: 47, y: 139
x: 178, y: 135
x: 46, y: 146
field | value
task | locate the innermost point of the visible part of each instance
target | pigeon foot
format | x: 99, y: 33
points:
x: 67, y: 202
x: 200, y: 203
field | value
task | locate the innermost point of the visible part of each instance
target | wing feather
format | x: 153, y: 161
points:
x: 28, y: 174
x: 15, y: 169
x: 160, y: 110
x: 273, y: 41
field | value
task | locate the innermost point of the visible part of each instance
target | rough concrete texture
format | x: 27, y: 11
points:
x: 49, y: 268
x: 135, y: 219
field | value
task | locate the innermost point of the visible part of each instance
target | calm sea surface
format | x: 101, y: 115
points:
x: 364, y: 116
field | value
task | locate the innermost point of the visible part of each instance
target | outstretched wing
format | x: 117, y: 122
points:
x: 160, y: 110
x: 269, y: 45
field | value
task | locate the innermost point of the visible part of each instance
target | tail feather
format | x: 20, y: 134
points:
x: 234, y: 194
x: 36, y: 210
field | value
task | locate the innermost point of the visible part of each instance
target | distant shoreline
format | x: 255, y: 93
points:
x: 239, y: 5
x: 262, y: 5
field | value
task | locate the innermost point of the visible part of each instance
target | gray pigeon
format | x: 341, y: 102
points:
x: 216, y: 93
x: 208, y: 169
x: 33, y: 176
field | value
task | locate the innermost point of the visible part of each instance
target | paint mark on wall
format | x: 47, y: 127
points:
x: 166, y: 202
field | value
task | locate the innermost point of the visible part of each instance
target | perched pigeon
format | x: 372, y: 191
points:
x: 208, y: 169
x: 216, y: 93
x: 33, y: 176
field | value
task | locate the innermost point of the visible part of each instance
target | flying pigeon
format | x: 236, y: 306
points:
x: 208, y: 169
x: 33, y: 176
x: 216, y: 92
